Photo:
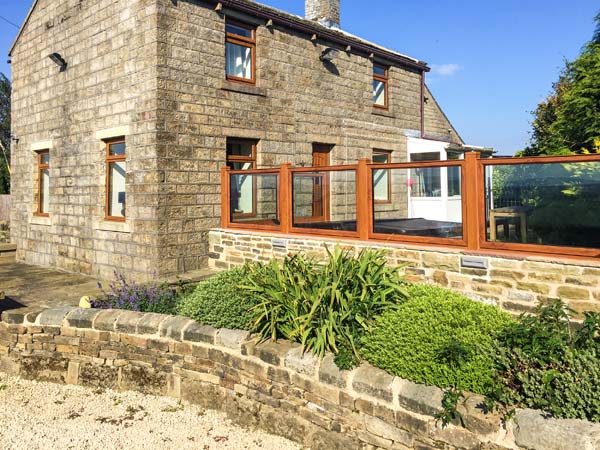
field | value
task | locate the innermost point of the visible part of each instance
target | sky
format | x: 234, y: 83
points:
x: 492, y: 61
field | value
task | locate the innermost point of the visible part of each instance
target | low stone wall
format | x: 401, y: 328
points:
x: 273, y: 386
x: 516, y: 284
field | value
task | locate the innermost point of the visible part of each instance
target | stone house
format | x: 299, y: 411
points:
x: 124, y: 112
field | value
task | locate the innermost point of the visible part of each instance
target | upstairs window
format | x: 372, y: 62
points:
x: 380, y: 86
x: 43, y: 170
x: 381, y: 177
x: 240, y: 49
x: 116, y: 168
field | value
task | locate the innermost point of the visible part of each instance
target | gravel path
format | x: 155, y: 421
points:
x: 46, y: 416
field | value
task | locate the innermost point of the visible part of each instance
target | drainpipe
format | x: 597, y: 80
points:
x: 422, y: 104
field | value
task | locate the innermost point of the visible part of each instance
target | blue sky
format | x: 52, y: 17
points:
x: 492, y: 61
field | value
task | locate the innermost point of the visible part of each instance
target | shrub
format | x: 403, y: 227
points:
x: 544, y: 362
x: 129, y: 295
x: 219, y: 301
x: 437, y: 337
x: 326, y: 307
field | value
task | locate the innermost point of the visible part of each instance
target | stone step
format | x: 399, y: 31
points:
x: 8, y: 252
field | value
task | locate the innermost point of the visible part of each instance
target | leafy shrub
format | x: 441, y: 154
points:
x: 544, y: 362
x: 129, y: 295
x: 326, y: 307
x: 219, y: 301
x: 437, y: 337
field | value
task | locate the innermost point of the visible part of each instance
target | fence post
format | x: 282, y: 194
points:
x: 473, y: 191
x: 285, y: 197
x: 225, y: 196
x: 363, y: 199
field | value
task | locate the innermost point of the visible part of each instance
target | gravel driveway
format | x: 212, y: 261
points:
x: 46, y: 416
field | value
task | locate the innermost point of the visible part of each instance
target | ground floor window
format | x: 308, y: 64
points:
x: 116, y: 168
x: 43, y: 191
x: 381, y: 177
x: 241, y: 155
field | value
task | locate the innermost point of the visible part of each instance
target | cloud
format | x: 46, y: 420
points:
x: 445, y: 70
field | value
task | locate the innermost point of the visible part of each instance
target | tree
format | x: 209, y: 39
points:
x: 4, y: 134
x: 568, y: 121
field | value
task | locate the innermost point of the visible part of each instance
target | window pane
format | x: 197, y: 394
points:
x: 378, y: 70
x: 254, y: 199
x: 453, y: 181
x: 325, y: 200
x: 116, y: 189
x: 545, y: 204
x: 240, y: 149
x: 380, y: 158
x: 380, y: 184
x: 239, y: 61
x: 412, y: 215
x: 45, y: 158
x: 44, y: 191
x: 428, y: 156
x: 379, y: 92
x: 242, y: 194
x: 116, y: 149
x: 425, y: 182
x: 236, y: 165
x: 239, y: 30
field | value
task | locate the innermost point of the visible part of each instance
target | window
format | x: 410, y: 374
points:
x: 43, y: 169
x: 241, y: 155
x: 116, y: 168
x: 380, y: 86
x: 454, y: 186
x: 381, y: 177
x: 240, y: 48
x: 427, y: 181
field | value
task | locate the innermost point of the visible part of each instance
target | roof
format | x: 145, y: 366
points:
x: 25, y: 22
x: 331, y: 34
x: 334, y: 35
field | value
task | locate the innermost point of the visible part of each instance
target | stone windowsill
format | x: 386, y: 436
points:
x: 108, y: 225
x: 40, y: 220
x: 243, y: 88
x: 383, y: 112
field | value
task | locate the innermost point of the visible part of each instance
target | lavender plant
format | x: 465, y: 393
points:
x: 132, y: 296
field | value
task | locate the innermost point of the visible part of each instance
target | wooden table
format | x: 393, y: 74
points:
x: 520, y: 212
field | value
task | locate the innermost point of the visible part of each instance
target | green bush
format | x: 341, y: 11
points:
x: 326, y: 307
x: 544, y: 362
x: 437, y: 337
x: 219, y: 301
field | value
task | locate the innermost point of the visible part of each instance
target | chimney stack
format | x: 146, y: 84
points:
x: 326, y: 12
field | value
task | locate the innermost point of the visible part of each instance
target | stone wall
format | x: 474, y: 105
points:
x: 274, y: 386
x: 516, y: 284
x: 110, y: 83
x: 436, y: 122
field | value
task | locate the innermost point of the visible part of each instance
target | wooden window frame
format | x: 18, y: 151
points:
x: 388, y: 155
x: 236, y: 39
x: 385, y: 79
x: 245, y: 159
x: 109, y: 160
x: 40, y: 168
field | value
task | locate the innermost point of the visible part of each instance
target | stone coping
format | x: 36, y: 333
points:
x: 362, y: 407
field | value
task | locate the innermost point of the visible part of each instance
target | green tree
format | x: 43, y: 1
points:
x: 568, y: 121
x: 4, y: 134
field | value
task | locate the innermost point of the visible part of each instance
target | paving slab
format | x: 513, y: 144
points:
x: 27, y: 288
